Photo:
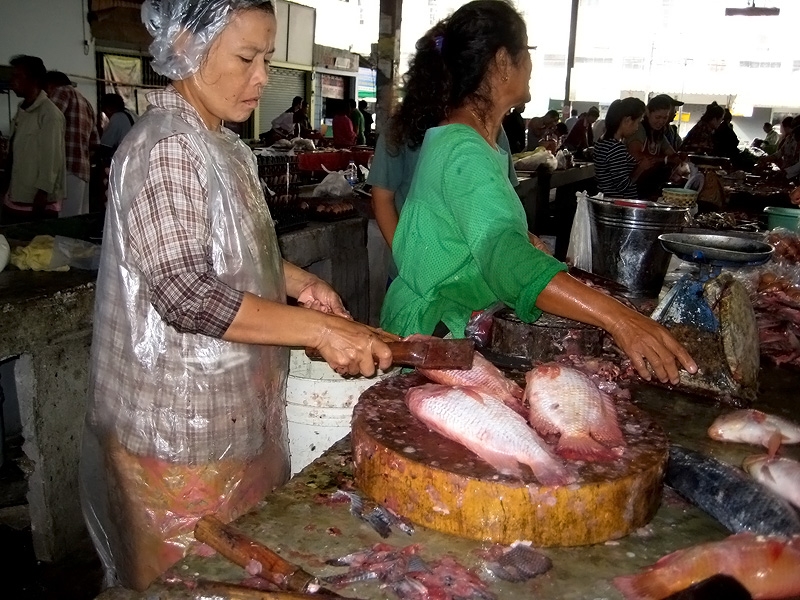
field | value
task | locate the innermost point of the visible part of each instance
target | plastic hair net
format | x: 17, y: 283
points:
x: 179, y: 424
x: 183, y: 31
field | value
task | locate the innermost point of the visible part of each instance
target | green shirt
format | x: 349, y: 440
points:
x: 358, y: 125
x: 462, y: 240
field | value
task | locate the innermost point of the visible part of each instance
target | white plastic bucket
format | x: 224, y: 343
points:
x: 319, y: 406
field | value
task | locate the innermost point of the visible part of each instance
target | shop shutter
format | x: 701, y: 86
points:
x: 283, y: 85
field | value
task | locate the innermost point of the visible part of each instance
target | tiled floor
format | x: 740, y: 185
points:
x: 23, y: 577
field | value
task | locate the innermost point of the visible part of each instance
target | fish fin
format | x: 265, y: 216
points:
x: 773, y: 443
x: 553, y: 474
x: 606, y: 430
x: 583, y: 447
x: 641, y: 587
x: 758, y: 416
x: 516, y: 405
x: 539, y: 421
x: 508, y: 465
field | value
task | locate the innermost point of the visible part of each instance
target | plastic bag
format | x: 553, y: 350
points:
x: 5, y: 252
x: 479, y: 326
x: 38, y: 256
x: 76, y: 253
x: 539, y: 157
x: 580, y: 238
x: 333, y: 186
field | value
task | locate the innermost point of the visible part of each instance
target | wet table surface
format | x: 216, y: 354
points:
x: 306, y: 531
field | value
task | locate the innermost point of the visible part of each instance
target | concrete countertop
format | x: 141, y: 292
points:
x: 296, y: 521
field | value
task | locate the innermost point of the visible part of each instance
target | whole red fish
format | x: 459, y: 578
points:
x: 483, y: 376
x: 487, y: 427
x: 751, y: 426
x: 767, y: 566
x: 565, y: 401
x: 781, y: 475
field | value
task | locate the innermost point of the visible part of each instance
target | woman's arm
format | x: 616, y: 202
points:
x: 385, y: 212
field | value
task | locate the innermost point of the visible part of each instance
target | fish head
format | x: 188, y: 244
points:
x: 728, y: 426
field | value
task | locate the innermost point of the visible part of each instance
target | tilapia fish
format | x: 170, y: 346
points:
x: 565, y: 401
x: 781, y: 475
x: 489, y: 428
x: 766, y: 566
x: 754, y: 427
x: 483, y: 376
x: 729, y: 495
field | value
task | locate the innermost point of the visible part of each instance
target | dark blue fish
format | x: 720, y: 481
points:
x: 729, y: 495
x: 520, y: 563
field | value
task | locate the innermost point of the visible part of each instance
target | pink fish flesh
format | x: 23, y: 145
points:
x: 483, y: 376
x: 781, y: 475
x: 565, y: 401
x: 754, y: 427
x: 489, y: 428
x: 766, y: 566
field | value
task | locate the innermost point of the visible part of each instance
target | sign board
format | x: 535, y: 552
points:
x: 332, y: 86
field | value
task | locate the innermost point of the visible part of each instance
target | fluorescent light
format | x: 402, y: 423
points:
x: 752, y: 11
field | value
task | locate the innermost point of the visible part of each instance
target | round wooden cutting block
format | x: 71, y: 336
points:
x: 439, y: 484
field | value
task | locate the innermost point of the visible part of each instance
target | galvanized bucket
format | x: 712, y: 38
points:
x: 625, y: 246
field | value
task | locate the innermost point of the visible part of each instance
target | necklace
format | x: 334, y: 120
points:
x: 483, y: 123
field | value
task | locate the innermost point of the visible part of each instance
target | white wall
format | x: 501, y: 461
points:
x: 54, y: 31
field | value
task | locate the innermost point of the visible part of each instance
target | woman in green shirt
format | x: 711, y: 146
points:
x: 462, y: 243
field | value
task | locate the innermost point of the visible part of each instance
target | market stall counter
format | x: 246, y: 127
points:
x: 306, y: 523
x: 554, y: 219
x: 315, y: 163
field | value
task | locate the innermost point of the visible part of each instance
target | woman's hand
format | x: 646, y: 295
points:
x: 651, y: 348
x: 539, y: 244
x: 351, y: 348
x: 794, y: 195
x: 318, y: 295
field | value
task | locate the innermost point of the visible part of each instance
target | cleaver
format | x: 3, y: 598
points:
x: 428, y: 353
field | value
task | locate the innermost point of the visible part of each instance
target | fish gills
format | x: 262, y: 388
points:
x: 729, y: 495
x: 484, y: 376
x: 781, y: 475
x: 489, y: 428
x: 766, y: 566
x: 565, y: 401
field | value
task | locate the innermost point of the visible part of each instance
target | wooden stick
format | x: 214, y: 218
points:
x: 248, y: 553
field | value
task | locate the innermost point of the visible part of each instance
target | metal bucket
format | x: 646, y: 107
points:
x: 625, y: 246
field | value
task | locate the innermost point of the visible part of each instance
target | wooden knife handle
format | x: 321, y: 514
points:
x: 246, y: 552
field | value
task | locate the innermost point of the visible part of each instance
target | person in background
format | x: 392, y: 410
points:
x: 540, y: 127
x: 302, y: 124
x: 769, y: 143
x: 369, y: 120
x: 598, y: 129
x: 514, y: 126
x: 650, y: 144
x: 786, y: 130
x: 671, y: 130
x: 344, y: 135
x: 191, y: 332
x: 561, y: 134
x: 36, y: 183
x: 616, y: 169
x: 462, y: 243
x: 81, y: 136
x: 120, y: 122
x: 726, y: 142
x: 358, y: 122
x: 581, y: 137
x: 570, y: 123
x: 700, y: 139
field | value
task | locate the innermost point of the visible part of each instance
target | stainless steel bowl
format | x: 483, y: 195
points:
x: 707, y: 248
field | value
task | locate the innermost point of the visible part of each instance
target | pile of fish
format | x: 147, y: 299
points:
x: 488, y: 413
x: 777, y: 305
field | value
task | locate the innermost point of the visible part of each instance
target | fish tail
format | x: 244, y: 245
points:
x: 583, y: 447
x: 641, y: 587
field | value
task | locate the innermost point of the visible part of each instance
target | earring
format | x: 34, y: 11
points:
x: 505, y: 77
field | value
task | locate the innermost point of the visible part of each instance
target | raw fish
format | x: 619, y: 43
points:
x: 766, y: 566
x: 729, y: 495
x: 754, y: 427
x: 489, y: 428
x: 781, y: 475
x: 565, y: 401
x: 483, y: 376
x: 518, y: 563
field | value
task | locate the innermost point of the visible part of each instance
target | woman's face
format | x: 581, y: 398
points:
x: 228, y: 85
x: 629, y: 126
x: 657, y: 119
x: 520, y: 76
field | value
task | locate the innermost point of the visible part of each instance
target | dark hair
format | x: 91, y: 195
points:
x: 660, y: 102
x: 351, y: 103
x: 574, y: 112
x: 619, y: 109
x: 297, y: 101
x: 57, y: 78
x: 593, y: 112
x: 33, y: 66
x: 768, y: 124
x: 112, y: 101
x: 562, y: 129
x: 713, y: 111
x: 362, y: 104
x: 727, y: 116
x: 553, y: 114
x: 451, y: 63
x: 787, y: 121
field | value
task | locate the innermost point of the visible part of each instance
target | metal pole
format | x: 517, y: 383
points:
x: 391, y: 13
x: 573, y: 30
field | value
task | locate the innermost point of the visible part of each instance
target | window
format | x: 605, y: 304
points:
x: 754, y: 64
x: 555, y: 60
x: 717, y: 65
x: 633, y: 63
x: 593, y: 60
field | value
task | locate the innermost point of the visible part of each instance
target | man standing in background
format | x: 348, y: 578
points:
x: 37, y: 163
x: 570, y: 123
x: 81, y: 134
x: 358, y: 122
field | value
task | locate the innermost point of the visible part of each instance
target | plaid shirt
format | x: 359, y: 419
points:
x: 81, y: 130
x: 187, y: 232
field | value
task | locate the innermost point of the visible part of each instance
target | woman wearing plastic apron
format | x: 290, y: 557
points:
x: 189, y: 361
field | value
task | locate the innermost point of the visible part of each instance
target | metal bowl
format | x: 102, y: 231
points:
x: 710, y: 248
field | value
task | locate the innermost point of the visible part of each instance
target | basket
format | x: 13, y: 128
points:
x: 680, y: 197
x: 788, y: 218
